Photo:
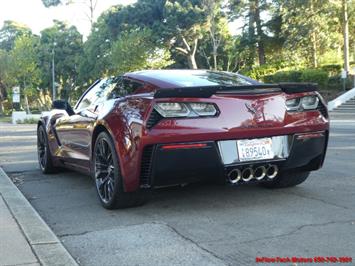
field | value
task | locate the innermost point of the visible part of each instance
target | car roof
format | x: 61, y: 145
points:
x: 178, y: 78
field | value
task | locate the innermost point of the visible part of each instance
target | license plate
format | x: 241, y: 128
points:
x: 255, y: 149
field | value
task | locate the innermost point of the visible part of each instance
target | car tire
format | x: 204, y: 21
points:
x: 44, y: 155
x: 108, y: 179
x: 286, y: 179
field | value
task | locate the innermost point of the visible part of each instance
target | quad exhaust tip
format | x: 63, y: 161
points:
x: 260, y: 172
x: 234, y: 176
x: 272, y: 171
x: 247, y: 174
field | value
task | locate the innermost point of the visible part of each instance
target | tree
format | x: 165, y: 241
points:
x: 255, y: 11
x: 346, y: 34
x: 310, y: 27
x: 136, y: 51
x: 4, y: 77
x: 10, y: 31
x: 89, y: 4
x: 24, y: 66
x: 176, y: 23
x: 95, y: 61
x: 67, y: 45
x: 213, y: 13
x: 217, y: 47
x: 253, y: 33
x: 182, y: 24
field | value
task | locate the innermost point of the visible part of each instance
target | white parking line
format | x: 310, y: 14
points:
x: 342, y: 148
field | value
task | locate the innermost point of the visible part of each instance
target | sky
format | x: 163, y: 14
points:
x: 36, y: 16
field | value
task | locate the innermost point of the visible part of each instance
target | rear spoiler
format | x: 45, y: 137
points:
x: 208, y: 91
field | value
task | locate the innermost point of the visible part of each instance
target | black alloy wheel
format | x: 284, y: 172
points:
x: 44, y: 155
x: 108, y: 178
x: 104, y: 171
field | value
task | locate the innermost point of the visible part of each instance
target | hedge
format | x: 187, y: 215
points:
x: 315, y: 75
x: 307, y: 75
x: 284, y: 76
x: 259, y: 72
x: 332, y: 70
x: 336, y: 83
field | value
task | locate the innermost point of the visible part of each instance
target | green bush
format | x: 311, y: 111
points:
x: 7, y: 107
x: 336, y: 83
x: 306, y: 75
x: 332, y: 70
x: 27, y: 121
x: 259, y: 72
x: 268, y: 79
x: 316, y: 76
x: 284, y: 76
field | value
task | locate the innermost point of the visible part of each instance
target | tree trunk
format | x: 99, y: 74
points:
x: 1, y: 108
x: 189, y: 52
x: 191, y: 61
x: 211, y: 10
x: 251, y: 33
x: 214, y: 53
x: 346, y: 36
x: 314, y: 43
x: 261, y: 49
x: 92, y: 7
x: 27, y: 105
x: 206, y: 58
x: 26, y: 99
x: 3, y: 96
x: 314, y: 50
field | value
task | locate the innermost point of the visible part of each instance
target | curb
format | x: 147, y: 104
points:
x: 44, y: 243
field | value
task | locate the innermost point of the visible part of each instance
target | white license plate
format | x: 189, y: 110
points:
x: 255, y: 149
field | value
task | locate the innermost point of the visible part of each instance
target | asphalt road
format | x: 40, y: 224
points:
x: 196, y: 224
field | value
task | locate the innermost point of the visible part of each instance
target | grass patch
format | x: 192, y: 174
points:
x: 5, y: 119
x: 27, y: 121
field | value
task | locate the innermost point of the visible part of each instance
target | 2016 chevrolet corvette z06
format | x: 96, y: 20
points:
x: 164, y: 127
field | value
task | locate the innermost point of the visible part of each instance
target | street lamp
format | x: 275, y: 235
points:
x: 53, y: 74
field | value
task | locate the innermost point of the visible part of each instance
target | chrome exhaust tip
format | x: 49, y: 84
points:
x: 247, y: 174
x: 260, y: 172
x: 234, y: 176
x: 272, y: 171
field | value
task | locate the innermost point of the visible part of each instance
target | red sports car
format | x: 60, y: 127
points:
x: 165, y: 127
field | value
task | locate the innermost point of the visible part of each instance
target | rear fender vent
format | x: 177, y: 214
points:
x: 154, y: 119
x: 146, y: 166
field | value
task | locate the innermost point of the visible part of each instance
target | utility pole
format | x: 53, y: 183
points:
x: 346, y: 36
x: 53, y: 75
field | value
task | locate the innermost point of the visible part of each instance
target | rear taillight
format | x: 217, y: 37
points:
x: 172, y: 109
x: 176, y: 110
x: 302, y: 103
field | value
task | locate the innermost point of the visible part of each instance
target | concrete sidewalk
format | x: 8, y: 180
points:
x: 25, y: 239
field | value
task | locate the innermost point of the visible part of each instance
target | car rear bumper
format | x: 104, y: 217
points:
x: 176, y: 163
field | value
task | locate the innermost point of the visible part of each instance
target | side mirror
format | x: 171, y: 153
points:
x: 63, y: 105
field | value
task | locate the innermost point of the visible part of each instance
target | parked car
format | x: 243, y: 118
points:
x: 165, y: 127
